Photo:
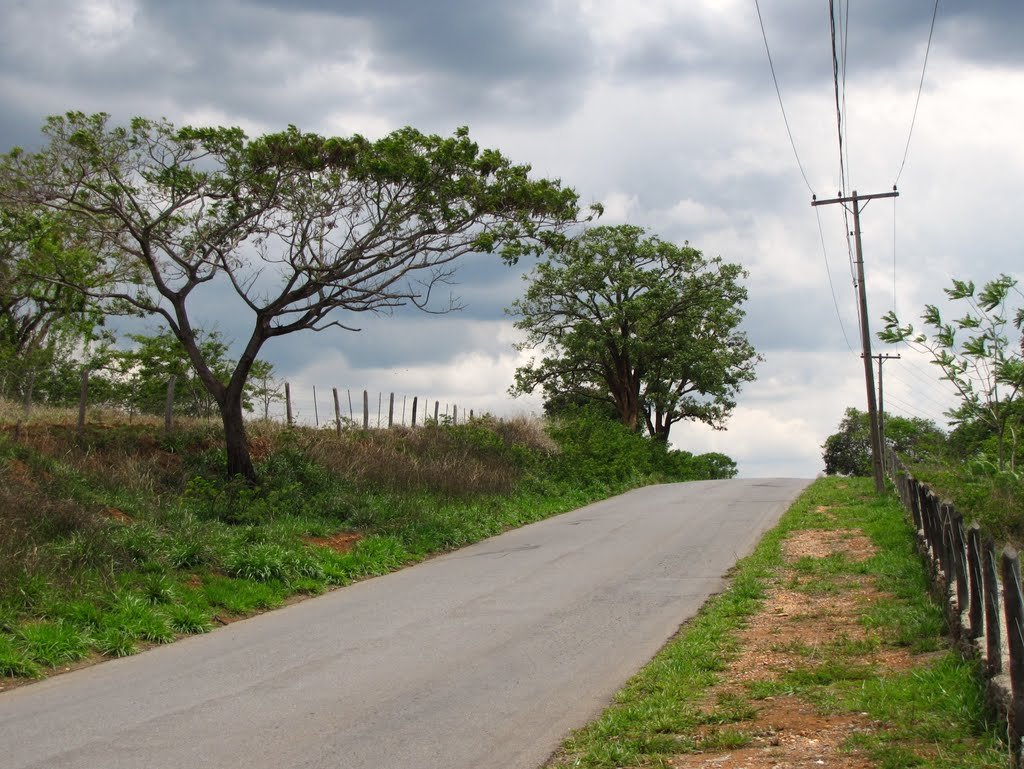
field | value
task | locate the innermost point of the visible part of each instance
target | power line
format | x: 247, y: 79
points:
x: 840, y: 110
x: 844, y: 34
x: 831, y: 285
x: 894, y: 256
x: 920, y: 88
x: 917, y: 392
x: 907, y: 408
x: 835, y: 79
x: 778, y: 93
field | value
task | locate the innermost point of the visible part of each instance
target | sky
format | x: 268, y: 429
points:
x: 664, y: 112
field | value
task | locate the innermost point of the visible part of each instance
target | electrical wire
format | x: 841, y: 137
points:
x: 920, y: 88
x: 778, y: 93
x: 917, y: 392
x: 844, y: 33
x: 890, y: 399
x: 930, y: 379
x: 831, y: 285
x: 835, y: 79
x: 894, y: 256
x: 840, y: 110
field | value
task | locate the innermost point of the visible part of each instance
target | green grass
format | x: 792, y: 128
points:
x: 121, y: 537
x: 932, y: 714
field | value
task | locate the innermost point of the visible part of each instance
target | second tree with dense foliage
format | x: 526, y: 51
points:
x: 646, y: 326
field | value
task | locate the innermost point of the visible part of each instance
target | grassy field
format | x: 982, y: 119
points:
x: 826, y: 650
x: 122, y: 536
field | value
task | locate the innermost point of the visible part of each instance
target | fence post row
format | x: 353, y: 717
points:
x: 965, y: 561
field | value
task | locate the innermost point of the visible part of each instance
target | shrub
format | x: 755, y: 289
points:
x: 263, y: 562
x: 53, y: 643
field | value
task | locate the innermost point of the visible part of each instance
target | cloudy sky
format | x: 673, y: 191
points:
x: 663, y: 111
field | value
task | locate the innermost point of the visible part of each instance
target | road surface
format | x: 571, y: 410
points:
x: 485, y: 657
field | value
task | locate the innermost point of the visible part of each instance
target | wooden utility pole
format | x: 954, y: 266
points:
x: 865, y: 330
x: 881, y: 358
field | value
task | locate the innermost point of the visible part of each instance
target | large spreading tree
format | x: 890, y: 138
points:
x: 645, y: 326
x: 295, y: 225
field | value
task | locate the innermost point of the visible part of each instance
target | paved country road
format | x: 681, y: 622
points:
x: 485, y: 657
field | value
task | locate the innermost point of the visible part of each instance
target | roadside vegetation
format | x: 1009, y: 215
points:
x: 961, y: 466
x: 825, y: 650
x: 123, y: 536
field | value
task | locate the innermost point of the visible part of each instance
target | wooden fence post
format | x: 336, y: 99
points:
x: 455, y: 415
x: 414, y: 399
x: 30, y: 387
x: 169, y: 404
x: 993, y: 632
x: 934, y: 529
x: 1013, y: 605
x: 925, y: 503
x: 83, y: 399
x: 316, y: 411
x: 915, y: 505
x: 948, y: 567
x: 366, y: 410
x: 288, y: 404
x: 960, y: 563
x: 391, y: 411
x: 977, y: 611
x: 437, y: 408
x: 337, y: 411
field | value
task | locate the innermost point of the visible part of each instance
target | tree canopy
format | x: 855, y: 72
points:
x: 295, y: 225
x: 41, y: 319
x: 848, y: 451
x: 649, y: 327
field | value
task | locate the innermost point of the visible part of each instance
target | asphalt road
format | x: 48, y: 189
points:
x: 485, y: 657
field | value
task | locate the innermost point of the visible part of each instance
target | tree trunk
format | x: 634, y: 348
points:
x: 662, y: 425
x: 237, y: 444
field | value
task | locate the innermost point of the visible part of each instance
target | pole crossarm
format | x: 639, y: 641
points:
x: 853, y: 198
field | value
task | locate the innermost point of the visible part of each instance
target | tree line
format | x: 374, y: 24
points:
x: 301, y: 232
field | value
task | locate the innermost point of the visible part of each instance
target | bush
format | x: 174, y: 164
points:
x: 601, y: 452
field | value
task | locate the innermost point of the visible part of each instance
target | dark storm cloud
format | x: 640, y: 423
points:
x: 435, y: 65
x: 881, y: 36
x: 464, y: 57
x: 464, y: 38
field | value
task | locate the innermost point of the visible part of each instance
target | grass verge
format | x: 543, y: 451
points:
x: 825, y: 650
x: 121, y: 537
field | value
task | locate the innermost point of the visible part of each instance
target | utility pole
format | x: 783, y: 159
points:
x: 865, y: 330
x: 881, y: 402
